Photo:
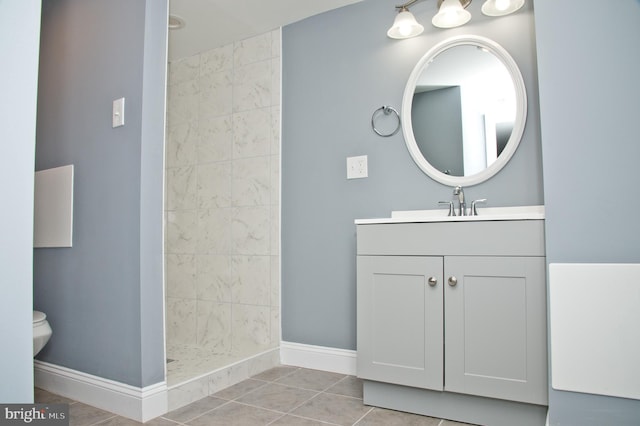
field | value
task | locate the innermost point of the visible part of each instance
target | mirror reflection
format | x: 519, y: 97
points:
x: 464, y: 108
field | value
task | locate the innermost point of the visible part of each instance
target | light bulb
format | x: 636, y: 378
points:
x: 501, y: 7
x: 502, y: 4
x: 449, y: 15
x: 404, y: 29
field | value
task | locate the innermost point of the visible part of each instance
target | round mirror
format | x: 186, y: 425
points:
x: 464, y: 110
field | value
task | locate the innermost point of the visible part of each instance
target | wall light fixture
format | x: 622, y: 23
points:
x: 451, y: 13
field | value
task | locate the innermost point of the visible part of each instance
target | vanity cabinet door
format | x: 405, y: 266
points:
x: 400, y: 320
x: 495, y: 327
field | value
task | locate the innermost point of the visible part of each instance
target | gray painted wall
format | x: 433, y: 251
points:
x: 590, y: 104
x: 104, y: 296
x: 338, y: 68
x: 19, y: 45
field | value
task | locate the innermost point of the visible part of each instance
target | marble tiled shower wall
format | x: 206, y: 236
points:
x: 222, y: 199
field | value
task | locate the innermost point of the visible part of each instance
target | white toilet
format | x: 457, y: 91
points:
x: 41, y: 331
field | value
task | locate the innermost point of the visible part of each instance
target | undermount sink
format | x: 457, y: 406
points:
x: 440, y: 215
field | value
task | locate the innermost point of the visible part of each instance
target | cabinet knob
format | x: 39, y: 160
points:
x: 432, y: 281
x: 453, y: 281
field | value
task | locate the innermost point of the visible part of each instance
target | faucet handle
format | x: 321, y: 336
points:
x: 452, y: 212
x: 474, y: 209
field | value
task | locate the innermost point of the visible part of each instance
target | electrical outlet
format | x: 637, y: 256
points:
x: 357, y: 167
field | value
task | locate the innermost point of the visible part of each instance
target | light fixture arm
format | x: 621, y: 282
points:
x: 406, y: 5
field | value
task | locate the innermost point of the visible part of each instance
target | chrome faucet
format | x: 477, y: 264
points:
x: 474, y: 210
x: 462, y: 205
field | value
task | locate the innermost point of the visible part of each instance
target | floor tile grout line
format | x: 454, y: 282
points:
x: 341, y: 380
x: 303, y: 402
x: 332, y: 385
x: 227, y: 402
x: 359, y: 398
x: 275, y: 420
x: 264, y: 384
x: 169, y: 420
x: 363, y: 416
x: 285, y: 386
x: 344, y: 379
x: 307, y: 418
x: 104, y: 420
x: 303, y: 388
x: 284, y: 412
x: 293, y: 370
x: 181, y: 423
x: 320, y: 371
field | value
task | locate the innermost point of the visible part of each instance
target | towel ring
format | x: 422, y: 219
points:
x: 386, y: 110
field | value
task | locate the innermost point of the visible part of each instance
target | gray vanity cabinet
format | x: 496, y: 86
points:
x: 495, y: 327
x: 454, y: 307
x: 400, y: 320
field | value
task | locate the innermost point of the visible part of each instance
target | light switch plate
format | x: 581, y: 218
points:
x: 357, y: 167
x: 118, y: 113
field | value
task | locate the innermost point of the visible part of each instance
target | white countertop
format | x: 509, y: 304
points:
x: 440, y: 215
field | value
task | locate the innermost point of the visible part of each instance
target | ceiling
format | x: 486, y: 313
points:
x: 214, y: 23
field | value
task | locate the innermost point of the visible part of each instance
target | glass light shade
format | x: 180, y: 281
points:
x: 501, y: 7
x: 450, y: 15
x: 405, y: 26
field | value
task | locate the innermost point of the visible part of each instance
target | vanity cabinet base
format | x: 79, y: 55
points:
x: 453, y: 406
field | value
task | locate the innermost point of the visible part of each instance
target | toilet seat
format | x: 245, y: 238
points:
x: 39, y: 317
x: 41, y: 331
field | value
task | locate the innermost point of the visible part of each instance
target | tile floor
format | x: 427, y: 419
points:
x: 282, y: 396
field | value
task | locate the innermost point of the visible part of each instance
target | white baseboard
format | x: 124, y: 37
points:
x: 140, y: 404
x: 341, y: 361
